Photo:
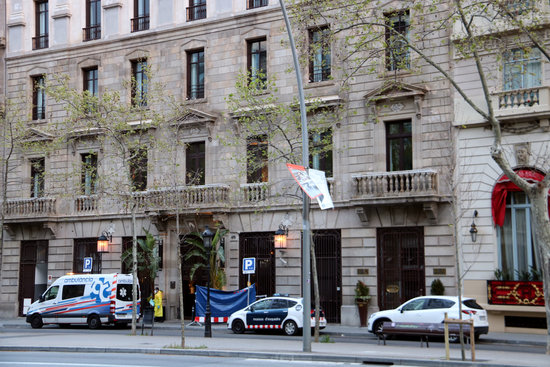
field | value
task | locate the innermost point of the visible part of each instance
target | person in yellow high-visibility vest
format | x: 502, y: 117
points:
x: 158, y: 305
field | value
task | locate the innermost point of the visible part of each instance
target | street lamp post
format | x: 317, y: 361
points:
x: 207, y: 242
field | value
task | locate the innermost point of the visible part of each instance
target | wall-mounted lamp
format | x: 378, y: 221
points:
x: 473, y: 228
x: 104, y: 240
x: 280, y: 237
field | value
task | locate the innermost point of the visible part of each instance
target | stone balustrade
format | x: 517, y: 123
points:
x: 529, y: 101
x: 86, y: 204
x: 255, y: 192
x: 30, y: 207
x: 184, y: 196
x: 397, y: 183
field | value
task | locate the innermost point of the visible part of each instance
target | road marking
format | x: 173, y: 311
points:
x: 317, y: 363
x: 64, y: 364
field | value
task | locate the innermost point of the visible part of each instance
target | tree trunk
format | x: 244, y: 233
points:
x: 180, y: 278
x: 539, y: 205
x: 134, y: 270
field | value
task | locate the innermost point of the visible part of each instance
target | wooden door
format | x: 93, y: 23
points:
x: 33, y: 267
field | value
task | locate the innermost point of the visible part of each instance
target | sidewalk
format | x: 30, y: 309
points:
x: 103, y: 341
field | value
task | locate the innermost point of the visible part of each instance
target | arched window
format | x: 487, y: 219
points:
x: 518, y: 257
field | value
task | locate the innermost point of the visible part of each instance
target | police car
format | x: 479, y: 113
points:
x: 284, y: 313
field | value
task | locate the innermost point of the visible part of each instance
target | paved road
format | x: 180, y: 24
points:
x: 49, y: 359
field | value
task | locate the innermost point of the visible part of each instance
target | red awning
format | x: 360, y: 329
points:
x: 503, y: 185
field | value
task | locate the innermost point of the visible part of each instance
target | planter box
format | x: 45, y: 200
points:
x: 515, y: 292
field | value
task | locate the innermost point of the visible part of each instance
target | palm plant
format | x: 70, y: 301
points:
x: 198, y: 253
x: 148, y: 259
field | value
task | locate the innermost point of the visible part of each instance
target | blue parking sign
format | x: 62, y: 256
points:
x: 249, y: 265
x: 88, y: 262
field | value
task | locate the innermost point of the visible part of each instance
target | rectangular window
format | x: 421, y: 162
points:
x: 93, y: 20
x: 139, y: 83
x: 320, y: 63
x: 89, y: 173
x: 72, y: 291
x: 38, y: 98
x: 253, y: 4
x: 90, y: 81
x: 195, y: 163
x: 86, y: 247
x: 196, y: 10
x: 37, y: 177
x: 140, y: 21
x: 397, y: 34
x: 257, y: 62
x: 320, y: 155
x: 41, y: 39
x: 522, y: 69
x: 517, y: 242
x: 138, y: 169
x: 195, y: 74
x: 256, y: 159
x: 399, y: 145
x: 518, y: 7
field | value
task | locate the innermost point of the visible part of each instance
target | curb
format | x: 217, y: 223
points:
x: 265, y: 355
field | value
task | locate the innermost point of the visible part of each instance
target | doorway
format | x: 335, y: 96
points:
x: 33, y: 271
x: 400, y: 265
x: 328, y: 255
x: 259, y: 245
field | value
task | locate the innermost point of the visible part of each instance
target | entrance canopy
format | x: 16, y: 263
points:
x: 503, y: 186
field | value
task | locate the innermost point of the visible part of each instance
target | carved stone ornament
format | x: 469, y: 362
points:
x: 396, y: 107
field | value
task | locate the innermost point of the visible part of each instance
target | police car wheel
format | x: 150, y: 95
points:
x: 290, y: 328
x: 238, y: 327
x: 36, y: 322
x: 94, y: 322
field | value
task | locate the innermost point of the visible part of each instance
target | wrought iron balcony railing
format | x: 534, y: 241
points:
x: 196, y: 12
x: 140, y: 23
x: 91, y: 33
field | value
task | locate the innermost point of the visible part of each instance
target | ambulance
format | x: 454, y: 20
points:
x: 92, y: 299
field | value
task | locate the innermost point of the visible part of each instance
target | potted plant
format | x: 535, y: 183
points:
x: 362, y: 298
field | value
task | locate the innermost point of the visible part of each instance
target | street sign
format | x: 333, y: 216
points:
x: 249, y: 265
x: 88, y: 261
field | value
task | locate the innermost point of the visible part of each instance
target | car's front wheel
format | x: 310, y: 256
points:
x: 238, y: 326
x: 290, y: 328
x: 36, y: 322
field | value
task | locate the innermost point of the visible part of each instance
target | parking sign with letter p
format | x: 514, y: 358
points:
x: 88, y: 262
x: 249, y: 265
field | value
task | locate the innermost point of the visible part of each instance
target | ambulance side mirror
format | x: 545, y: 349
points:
x: 41, y: 298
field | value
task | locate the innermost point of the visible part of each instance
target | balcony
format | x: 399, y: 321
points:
x: 397, y: 184
x: 34, y: 207
x: 187, y: 197
x: 86, y: 204
x: 40, y: 42
x: 196, y: 12
x: 253, y: 193
x: 520, y: 103
x: 140, y: 23
x: 91, y: 33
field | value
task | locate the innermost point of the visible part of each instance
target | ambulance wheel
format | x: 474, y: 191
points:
x: 290, y: 328
x: 36, y: 322
x: 238, y: 327
x: 94, y: 322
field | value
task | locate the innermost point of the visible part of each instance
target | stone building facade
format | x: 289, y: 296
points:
x: 391, y: 225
